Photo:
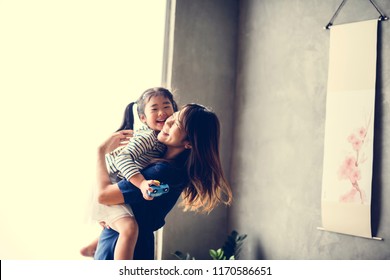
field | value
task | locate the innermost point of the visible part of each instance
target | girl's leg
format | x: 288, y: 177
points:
x: 89, y: 250
x: 127, y: 228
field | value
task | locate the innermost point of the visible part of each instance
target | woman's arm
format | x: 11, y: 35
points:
x: 109, y: 193
x: 124, y: 191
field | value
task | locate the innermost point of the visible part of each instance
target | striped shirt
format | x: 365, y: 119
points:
x: 129, y: 160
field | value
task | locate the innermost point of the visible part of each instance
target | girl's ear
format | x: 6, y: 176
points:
x: 143, y: 118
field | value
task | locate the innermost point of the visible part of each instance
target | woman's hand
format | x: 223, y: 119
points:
x: 104, y: 225
x: 108, y: 193
x: 116, y: 140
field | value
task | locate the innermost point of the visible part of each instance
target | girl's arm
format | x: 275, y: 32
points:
x: 139, y: 145
x: 124, y: 191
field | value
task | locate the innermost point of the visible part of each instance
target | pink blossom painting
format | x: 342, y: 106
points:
x: 350, y: 168
x: 347, y: 170
x: 349, y: 129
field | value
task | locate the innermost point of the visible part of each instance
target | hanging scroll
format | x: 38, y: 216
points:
x: 349, y: 129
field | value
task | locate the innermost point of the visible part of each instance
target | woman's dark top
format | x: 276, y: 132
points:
x: 150, y: 214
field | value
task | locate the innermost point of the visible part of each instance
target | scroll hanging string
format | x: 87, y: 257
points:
x: 382, y: 16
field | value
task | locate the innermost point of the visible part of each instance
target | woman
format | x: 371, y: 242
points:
x: 191, y: 167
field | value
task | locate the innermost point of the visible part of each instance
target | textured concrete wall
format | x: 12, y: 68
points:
x: 273, y: 130
x: 279, y: 131
x: 204, y: 65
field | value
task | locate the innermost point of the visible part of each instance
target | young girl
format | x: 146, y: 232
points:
x: 154, y: 106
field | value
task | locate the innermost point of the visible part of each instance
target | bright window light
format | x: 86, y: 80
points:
x: 67, y: 71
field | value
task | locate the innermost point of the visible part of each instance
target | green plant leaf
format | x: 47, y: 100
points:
x: 230, y: 250
x: 213, y: 254
x: 233, y: 243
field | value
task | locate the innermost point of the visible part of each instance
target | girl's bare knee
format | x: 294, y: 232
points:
x: 126, y: 226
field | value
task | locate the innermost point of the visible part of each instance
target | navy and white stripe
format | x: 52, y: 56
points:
x: 129, y: 160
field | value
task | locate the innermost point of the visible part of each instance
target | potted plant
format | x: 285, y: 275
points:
x: 229, y: 251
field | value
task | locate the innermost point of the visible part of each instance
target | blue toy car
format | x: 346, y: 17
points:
x: 158, y: 190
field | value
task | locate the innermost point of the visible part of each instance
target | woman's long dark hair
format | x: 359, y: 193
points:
x: 208, y: 186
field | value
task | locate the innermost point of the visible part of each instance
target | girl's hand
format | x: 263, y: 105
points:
x: 145, y: 187
x: 116, y: 140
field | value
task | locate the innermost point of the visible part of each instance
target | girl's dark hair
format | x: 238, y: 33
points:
x: 128, y: 118
x: 207, y: 184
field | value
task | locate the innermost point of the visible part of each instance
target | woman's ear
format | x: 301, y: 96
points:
x: 188, y: 146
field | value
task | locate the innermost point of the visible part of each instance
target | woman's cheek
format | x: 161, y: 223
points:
x: 161, y: 137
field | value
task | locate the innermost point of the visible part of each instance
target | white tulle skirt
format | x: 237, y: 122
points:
x: 106, y: 213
